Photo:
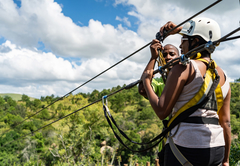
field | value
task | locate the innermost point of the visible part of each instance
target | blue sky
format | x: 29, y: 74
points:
x: 53, y: 46
x: 81, y: 12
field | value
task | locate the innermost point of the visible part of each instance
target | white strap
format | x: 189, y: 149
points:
x: 178, y: 154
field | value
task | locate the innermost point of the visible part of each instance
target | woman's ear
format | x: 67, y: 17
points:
x: 195, y: 41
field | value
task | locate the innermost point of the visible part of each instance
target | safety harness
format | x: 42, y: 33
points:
x: 214, y: 102
x: 209, y: 90
x: 209, y: 96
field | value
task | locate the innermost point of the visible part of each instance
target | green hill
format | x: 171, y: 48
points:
x: 14, y: 96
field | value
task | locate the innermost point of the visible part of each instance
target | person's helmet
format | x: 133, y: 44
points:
x: 206, y: 28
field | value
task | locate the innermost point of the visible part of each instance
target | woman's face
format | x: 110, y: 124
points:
x: 184, y: 44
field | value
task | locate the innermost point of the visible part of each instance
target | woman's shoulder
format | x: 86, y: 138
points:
x: 180, y: 72
x: 222, y: 75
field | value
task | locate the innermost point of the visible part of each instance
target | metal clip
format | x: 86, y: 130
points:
x: 209, y: 47
x: 184, y: 60
x: 104, y: 97
x: 161, y: 37
x: 161, y: 71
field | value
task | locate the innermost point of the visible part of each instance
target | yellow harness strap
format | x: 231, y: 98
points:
x: 161, y: 62
x: 218, y: 90
x: 201, y: 94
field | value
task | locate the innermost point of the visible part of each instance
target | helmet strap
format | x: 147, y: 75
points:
x: 200, y: 41
x: 190, y: 46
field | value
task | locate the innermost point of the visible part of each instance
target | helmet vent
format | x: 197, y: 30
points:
x: 210, y: 35
x: 208, y: 22
x: 199, y: 20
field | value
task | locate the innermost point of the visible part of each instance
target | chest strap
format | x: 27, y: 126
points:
x: 201, y: 120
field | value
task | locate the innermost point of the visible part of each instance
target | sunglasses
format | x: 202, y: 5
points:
x: 184, y: 38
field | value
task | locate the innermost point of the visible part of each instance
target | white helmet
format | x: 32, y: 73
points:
x: 206, y: 28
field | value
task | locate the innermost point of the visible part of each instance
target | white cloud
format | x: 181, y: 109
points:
x: 44, y: 21
x: 97, y: 46
x: 31, y: 71
x: 154, y: 13
x: 124, y: 20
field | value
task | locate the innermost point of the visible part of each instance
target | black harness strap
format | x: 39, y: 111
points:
x: 120, y: 140
x: 175, y: 122
x: 201, y: 120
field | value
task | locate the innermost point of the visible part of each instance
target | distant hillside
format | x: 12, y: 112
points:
x: 14, y: 96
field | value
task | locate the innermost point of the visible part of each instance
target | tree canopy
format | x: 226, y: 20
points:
x: 78, y: 138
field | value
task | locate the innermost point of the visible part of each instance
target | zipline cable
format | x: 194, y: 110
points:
x: 76, y: 88
x: 62, y: 117
x: 164, y: 35
x: 129, y: 86
x: 208, y: 7
x: 132, y: 84
x: 189, y: 111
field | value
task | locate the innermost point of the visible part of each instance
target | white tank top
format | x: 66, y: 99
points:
x: 193, y: 135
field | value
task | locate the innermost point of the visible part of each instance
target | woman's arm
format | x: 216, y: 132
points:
x: 164, y: 104
x: 155, y: 46
x: 224, y: 120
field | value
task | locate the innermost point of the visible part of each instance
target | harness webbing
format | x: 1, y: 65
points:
x: 210, y: 87
x: 210, y: 75
x: 107, y: 113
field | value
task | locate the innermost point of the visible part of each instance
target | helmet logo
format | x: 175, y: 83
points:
x: 190, y: 29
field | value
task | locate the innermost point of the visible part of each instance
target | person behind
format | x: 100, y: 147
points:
x: 203, y: 144
x: 169, y: 52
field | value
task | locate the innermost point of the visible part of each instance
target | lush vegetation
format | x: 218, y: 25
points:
x: 77, y: 138
x: 14, y: 96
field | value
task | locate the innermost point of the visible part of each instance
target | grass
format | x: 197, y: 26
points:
x: 14, y: 96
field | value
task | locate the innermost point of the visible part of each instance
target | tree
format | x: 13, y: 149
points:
x: 37, y: 103
x: 19, y: 110
x: 94, y: 96
x: 25, y: 98
x: 10, y: 101
x: 2, y: 101
x: 237, y: 80
x: 235, y: 151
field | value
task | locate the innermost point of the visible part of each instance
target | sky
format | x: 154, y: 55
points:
x: 53, y: 46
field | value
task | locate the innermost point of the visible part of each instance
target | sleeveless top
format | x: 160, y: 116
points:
x: 193, y: 135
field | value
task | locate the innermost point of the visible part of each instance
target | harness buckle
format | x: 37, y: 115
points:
x: 184, y: 60
x: 161, y: 70
x: 103, y: 98
x: 209, y: 47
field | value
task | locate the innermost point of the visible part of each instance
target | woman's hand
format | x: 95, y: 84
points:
x: 226, y: 164
x: 168, y: 26
x: 155, y: 47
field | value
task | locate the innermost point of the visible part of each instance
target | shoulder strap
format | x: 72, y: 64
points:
x: 206, y: 91
x: 209, y: 81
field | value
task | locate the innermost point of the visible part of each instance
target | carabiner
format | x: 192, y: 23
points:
x: 104, y: 97
x: 184, y: 60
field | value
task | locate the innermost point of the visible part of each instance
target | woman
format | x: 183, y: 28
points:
x: 201, y: 144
